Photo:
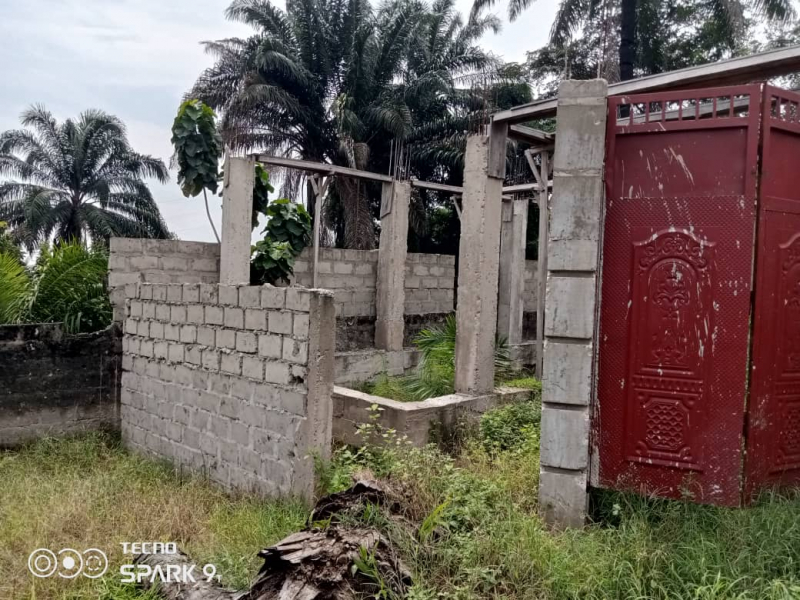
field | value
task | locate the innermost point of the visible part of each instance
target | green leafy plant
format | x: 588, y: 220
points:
x: 261, y: 191
x: 198, y: 147
x: 287, y: 233
x: 509, y: 427
x: 66, y: 285
x: 435, y: 374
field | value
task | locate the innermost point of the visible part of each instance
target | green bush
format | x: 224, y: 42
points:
x: 508, y: 427
x: 67, y: 285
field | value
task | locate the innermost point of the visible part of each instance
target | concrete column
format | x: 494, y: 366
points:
x: 573, y: 251
x: 479, y: 257
x: 390, y: 287
x: 511, y: 285
x: 237, y: 212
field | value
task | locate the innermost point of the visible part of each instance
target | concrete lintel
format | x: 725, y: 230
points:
x: 237, y: 213
x: 390, y: 288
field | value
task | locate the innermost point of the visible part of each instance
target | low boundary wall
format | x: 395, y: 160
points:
x: 56, y: 384
x: 234, y: 381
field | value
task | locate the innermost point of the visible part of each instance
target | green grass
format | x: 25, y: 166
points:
x: 480, y: 534
x: 88, y: 492
x: 489, y: 542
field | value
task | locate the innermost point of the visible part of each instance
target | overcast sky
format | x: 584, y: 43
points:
x: 136, y: 58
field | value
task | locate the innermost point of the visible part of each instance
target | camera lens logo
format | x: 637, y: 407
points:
x: 68, y: 563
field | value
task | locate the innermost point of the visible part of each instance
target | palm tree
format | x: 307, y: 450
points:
x: 338, y: 82
x: 632, y: 26
x: 76, y: 180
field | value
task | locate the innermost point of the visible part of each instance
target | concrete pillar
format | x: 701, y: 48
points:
x: 479, y: 257
x: 390, y: 287
x: 237, y: 213
x: 511, y: 286
x: 573, y: 251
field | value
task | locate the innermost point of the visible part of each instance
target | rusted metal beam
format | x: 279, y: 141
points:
x: 760, y: 66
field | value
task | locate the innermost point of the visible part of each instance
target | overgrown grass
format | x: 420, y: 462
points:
x: 88, y: 492
x: 477, y: 532
x: 482, y: 538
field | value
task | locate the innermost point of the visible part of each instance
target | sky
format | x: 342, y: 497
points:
x: 136, y: 58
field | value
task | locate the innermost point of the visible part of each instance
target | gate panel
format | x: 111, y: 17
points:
x: 773, y: 438
x: 677, y: 267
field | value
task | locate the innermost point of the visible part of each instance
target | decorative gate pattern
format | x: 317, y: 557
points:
x: 677, y: 269
x: 773, y: 436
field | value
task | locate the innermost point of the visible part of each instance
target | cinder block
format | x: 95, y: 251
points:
x: 231, y: 363
x: 178, y: 314
x: 195, y: 314
x: 234, y: 317
x: 277, y: 372
x: 298, y: 299
x: 569, y: 307
x: 172, y: 332
x: 249, y: 296
x: 253, y: 367
x: 255, y: 319
x: 214, y: 315
x: 295, y: 351
x: 175, y: 292
x: 564, y: 442
x: 246, y: 342
x: 148, y: 310
x: 567, y: 373
x: 206, y: 336
x: 272, y: 297
x: 270, y: 345
x: 300, y: 329
x: 160, y: 349
x: 193, y: 355
x: 226, y: 338
x: 229, y: 295
x: 188, y: 334
x: 563, y: 500
x: 209, y: 293
x: 176, y: 353
x: 143, y: 328
x: 159, y: 292
x: 156, y: 330
x: 211, y: 359
x: 280, y: 322
x: 162, y: 312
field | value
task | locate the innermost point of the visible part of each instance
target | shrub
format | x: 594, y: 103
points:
x: 508, y: 427
x: 66, y: 285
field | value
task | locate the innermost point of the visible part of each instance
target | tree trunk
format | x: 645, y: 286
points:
x: 627, y: 41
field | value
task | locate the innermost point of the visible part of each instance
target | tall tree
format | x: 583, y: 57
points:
x: 646, y: 31
x: 76, y: 180
x: 340, y: 82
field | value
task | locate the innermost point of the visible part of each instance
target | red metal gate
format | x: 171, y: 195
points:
x: 773, y: 435
x: 681, y: 175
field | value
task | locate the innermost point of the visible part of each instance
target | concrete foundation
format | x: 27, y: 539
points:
x: 237, y: 215
x: 390, y: 293
x: 573, y: 250
x: 479, y: 255
x: 419, y: 422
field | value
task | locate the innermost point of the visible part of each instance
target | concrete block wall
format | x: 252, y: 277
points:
x: 351, y: 274
x: 56, y: 384
x: 234, y: 381
x: 430, y: 284
x: 158, y: 261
